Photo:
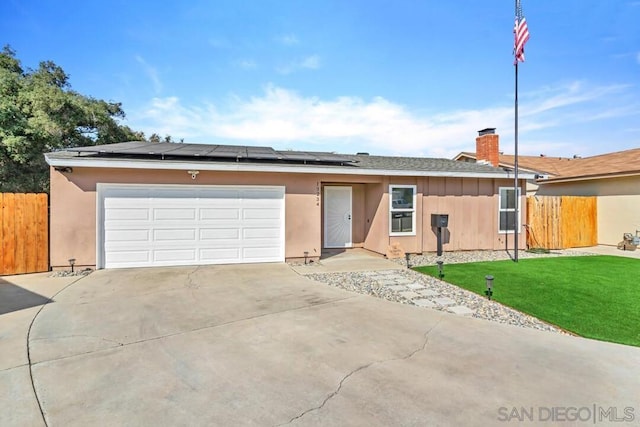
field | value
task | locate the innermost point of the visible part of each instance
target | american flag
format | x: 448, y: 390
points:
x: 521, y: 32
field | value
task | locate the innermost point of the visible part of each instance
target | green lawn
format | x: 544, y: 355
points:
x: 592, y: 296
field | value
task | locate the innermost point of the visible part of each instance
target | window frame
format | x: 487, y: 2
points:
x: 519, y: 208
x: 393, y: 210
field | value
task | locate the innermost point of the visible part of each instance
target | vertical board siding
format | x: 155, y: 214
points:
x: 24, y: 233
x: 561, y: 222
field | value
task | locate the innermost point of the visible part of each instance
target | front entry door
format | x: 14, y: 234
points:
x: 337, y: 217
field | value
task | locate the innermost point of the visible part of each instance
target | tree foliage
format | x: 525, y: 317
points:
x: 39, y: 112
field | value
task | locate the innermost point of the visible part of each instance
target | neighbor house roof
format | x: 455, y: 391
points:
x: 141, y: 155
x: 558, y: 169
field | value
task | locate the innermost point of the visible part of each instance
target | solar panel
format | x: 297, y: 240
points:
x: 163, y: 149
x: 262, y: 153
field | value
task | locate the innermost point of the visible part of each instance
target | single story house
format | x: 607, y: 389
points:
x: 139, y: 204
x: 614, y: 178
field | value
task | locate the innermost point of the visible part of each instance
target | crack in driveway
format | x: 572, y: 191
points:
x: 200, y: 328
x: 79, y: 336
x: 361, y: 368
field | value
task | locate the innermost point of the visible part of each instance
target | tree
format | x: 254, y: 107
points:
x: 39, y: 112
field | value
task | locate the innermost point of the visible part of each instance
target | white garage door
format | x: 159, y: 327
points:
x: 144, y: 226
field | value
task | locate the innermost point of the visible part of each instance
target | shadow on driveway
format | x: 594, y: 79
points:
x: 15, y: 298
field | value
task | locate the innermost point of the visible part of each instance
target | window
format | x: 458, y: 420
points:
x: 402, y: 210
x: 507, y: 210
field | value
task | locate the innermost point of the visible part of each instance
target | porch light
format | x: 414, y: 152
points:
x: 489, y: 291
x: 440, y: 268
x: 72, y: 262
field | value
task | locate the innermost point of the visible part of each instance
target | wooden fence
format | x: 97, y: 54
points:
x: 24, y: 233
x: 562, y: 222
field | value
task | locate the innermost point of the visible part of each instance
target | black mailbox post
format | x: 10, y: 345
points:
x: 439, y: 221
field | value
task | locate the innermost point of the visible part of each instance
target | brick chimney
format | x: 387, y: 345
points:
x: 487, y: 147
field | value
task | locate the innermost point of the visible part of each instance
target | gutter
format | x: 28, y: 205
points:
x: 559, y: 180
x: 246, y: 167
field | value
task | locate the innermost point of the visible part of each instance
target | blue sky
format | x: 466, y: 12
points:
x: 387, y: 77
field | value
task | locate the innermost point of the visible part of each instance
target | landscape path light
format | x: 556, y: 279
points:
x: 489, y: 291
x: 440, y: 268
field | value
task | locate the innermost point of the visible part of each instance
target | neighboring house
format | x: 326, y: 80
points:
x: 144, y: 204
x: 613, y: 177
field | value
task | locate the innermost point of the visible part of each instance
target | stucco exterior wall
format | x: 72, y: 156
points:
x: 73, y: 206
x: 618, y: 204
x: 472, y: 205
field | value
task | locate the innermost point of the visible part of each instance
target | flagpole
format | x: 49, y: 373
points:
x: 516, y: 230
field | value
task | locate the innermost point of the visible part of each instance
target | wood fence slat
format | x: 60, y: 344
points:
x: 42, y: 239
x: 19, y: 209
x: 30, y: 233
x: 8, y: 234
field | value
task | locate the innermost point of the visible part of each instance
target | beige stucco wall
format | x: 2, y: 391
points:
x: 73, y: 206
x: 472, y: 205
x: 618, y: 203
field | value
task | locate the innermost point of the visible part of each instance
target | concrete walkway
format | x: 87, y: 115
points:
x: 263, y: 345
x: 609, y: 250
x: 349, y: 260
x: 21, y: 298
x: 383, y: 273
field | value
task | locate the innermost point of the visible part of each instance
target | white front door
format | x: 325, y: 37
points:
x: 337, y: 217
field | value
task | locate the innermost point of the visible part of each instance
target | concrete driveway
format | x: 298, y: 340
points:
x: 262, y: 345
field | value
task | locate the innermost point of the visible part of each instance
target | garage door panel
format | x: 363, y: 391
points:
x: 147, y: 225
x: 257, y: 213
x: 261, y: 233
x: 174, y: 214
x: 220, y: 254
x: 128, y: 257
x: 174, y: 255
x: 128, y: 235
x: 220, y: 213
x: 219, y: 233
x: 160, y: 235
x: 259, y: 253
x: 124, y: 214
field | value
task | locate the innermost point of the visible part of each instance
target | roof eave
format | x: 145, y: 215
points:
x: 561, y: 179
x: 252, y: 167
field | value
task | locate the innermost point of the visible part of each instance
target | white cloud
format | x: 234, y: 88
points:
x: 246, y: 64
x: 288, y: 39
x: 311, y: 62
x: 152, y: 74
x: 220, y: 43
x: 285, y: 119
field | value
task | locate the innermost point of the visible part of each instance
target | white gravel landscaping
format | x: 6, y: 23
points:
x: 410, y: 287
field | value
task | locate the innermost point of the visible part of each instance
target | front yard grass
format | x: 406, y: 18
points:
x: 593, y: 296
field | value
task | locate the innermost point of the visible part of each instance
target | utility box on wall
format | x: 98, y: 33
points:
x: 440, y: 220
